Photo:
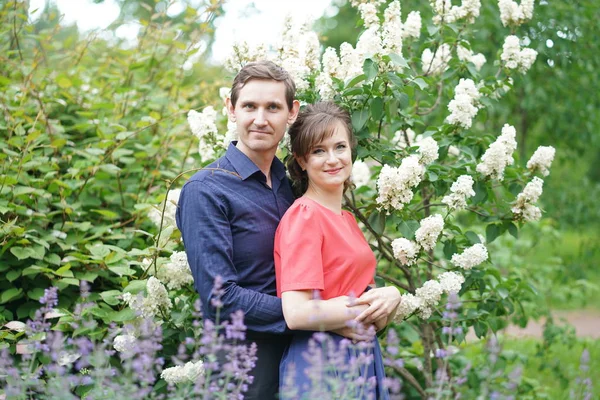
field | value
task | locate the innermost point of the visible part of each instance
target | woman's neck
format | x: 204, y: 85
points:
x: 331, y: 200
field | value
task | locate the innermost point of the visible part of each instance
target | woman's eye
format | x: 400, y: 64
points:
x: 317, y: 151
x: 341, y: 146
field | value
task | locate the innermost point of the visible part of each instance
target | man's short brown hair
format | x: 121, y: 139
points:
x: 265, y: 70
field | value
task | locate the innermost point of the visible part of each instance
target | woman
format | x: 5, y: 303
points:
x: 319, y: 249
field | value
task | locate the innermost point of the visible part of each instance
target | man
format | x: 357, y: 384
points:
x: 228, y: 219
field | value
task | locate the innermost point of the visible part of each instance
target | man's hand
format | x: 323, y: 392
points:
x: 382, y: 304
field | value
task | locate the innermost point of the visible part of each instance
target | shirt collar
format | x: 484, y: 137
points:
x: 245, y: 167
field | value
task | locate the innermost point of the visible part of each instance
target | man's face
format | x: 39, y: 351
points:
x: 261, y: 115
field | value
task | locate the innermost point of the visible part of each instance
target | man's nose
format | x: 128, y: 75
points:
x: 260, y: 117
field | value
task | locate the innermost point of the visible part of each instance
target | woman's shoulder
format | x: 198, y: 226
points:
x: 302, y: 208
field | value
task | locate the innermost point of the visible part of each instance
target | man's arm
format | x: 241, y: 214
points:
x: 206, y: 231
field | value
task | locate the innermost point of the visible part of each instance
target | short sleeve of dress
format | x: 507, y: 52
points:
x: 298, y: 254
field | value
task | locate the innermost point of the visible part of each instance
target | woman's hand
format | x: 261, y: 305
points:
x: 358, y: 332
x: 382, y: 304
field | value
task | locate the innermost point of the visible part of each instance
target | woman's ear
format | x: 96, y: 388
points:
x: 301, y: 162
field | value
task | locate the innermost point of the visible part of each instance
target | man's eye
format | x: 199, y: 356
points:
x: 273, y: 107
x: 248, y: 106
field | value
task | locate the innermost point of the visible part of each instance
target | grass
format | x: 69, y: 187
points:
x: 553, y: 372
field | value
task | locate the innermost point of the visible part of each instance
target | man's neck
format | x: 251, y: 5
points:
x: 263, y: 160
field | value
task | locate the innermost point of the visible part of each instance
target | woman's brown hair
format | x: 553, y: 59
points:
x: 314, y: 124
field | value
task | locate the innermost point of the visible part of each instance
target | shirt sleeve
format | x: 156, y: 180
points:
x: 298, y: 250
x: 203, y: 221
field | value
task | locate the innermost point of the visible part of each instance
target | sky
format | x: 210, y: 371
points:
x: 254, y: 21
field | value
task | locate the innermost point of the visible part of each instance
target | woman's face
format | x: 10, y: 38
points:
x: 329, y: 163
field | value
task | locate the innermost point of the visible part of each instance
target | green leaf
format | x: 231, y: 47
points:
x: 398, y: 60
x: 502, y: 292
x: 370, y: 69
x: 395, y: 79
x: 472, y: 237
x: 99, y: 250
x: 53, y: 259
x: 492, y: 231
x: 480, y: 192
x: 408, y: 228
x: 125, y: 314
x: 10, y: 294
x: 106, y: 213
x: 480, y: 329
x: 12, y: 275
x: 450, y: 249
x: 111, y: 297
x: 356, y: 80
x: 35, y: 293
x: 21, y: 252
x: 136, y: 286
x: 421, y: 83
x: 377, y: 108
x: 359, y: 119
x: 513, y: 230
x: 404, y: 100
x: 377, y: 221
x: 122, y: 270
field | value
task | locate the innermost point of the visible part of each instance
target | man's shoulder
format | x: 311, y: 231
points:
x: 217, y: 173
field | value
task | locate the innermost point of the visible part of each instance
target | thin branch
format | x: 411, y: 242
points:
x: 393, y: 280
x: 408, y: 377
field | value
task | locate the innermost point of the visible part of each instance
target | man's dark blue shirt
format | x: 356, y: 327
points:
x: 227, y: 216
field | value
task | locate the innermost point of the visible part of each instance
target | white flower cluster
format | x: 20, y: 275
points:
x: 465, y: 104
x: 243, y: 53
x: 357, y: 3
x: 405, y: 250
x: 445, y: 11
x: 124, y: 343
x: 428, y: 149
x: 187, y: 373
x: 451, y: 282
x: 377, y: 40
x: 176, y: 273
x: 461, y: 190
x: 203, y: 126
x: 157, y: 299
x: 515, y: 14
x: 436, y: 62
x: 542, y: 159
x: 361, y: 175
x: 467, y: 55
x: 524, y: 208
x: 429, y: 231
x: 499, y: 155
x: 516, y: 58
x: 169, y: 218
x: 395, y: 183
x: 428, y: 296
x: 470, y: 257
x: 401, y: 137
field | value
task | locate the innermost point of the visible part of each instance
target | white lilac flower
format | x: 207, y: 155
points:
x: 444, y: 10
x: 361, y: 175
x: 203, y: 125
x: 514, y: 14
x: 436, y: 62
x: 243, y: 53
x: 499, y: 155
x: 368, y: 13
x: 405, y: 250
x: 65, y: 358
x: 331, y: 62
x: 324, y: 85
x: 369, y: 44
x: 124, y: 343
x: 176, y: 273
x: 524, y: 208
x: 451, y: 282
x: 461, y: 190
x: 392, y: 29
x: 467, y: 55
x: 230, y: 135
x: 428, y: 149
x: 187, y: 373
x: 542, y: 160
x: 356, y: 3
x: 409, y: 303
x: 430, y: 293
x: 516, y: 58
x: 395, y: 184
x: 429, y: 231
x: 311, y: 50
x: 470, y: 257
x: 465, y: 105
x: 170, y: 209
x: 351, y: 62
x: 156, y: 299
x: 412, y: 25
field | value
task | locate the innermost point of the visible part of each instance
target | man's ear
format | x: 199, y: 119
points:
x: 230, y: 109
x: 293, y: 112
